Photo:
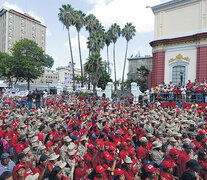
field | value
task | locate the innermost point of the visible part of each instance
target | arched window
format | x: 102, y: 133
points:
x: 178, y: 75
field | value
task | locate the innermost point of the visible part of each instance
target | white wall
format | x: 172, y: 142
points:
x: 188, y: 51
x: 187, y: 19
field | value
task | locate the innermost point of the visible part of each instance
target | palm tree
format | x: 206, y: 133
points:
x: 108, y: 42
x: 66, y: 17
x: 79, y: 22
x: 95, y: 42
x: 91, y: 23
x: 94, y: 67
x: 128, y: 32
x: 115, y: 32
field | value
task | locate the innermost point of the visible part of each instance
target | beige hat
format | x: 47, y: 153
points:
x: 35, y: 145
x: 61, y: 164
x: 67, y: 139
x: 156, y: 144
x: 172, y: 139
x: 149, y: 135
x: 22, y: 125
x: 32, y: 134
x: 34, y: 139
x: 128, y: 160
x: 25, y: 151
x: 177, y: 135
x: 143, y: 139
x: 53, y: 156
x: 84, y: 138
x: 42, y: 147
x: 32, y: 177
x: 71, y: 149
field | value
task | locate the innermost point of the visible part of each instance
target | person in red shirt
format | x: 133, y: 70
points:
x: 118, y: 139
x: 151, y: 172
x: 21, y: 144
x: 15, y: 137
x: 41, y: 134
x: 8, y: 134
x: 82, y: 171
x: 183, y: 158
x: 100, y: 173
x: 129, y: 171
x: 48, y: 141
x: 19, y: 172
x: 142, y: 152
x: 119, y: 174
x: 167, y: 171
x: 91, y: 157
x: 57, y: 173
x: 42, y: 168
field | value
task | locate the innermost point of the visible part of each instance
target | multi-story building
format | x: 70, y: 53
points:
x: 180, y: 42
x: 65, y: 76
x: 15, y: 26
x: 49, y: 76
x: 137, y: 62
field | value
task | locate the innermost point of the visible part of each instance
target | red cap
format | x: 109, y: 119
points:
x: 174, y: 151
x: 19, y: 166
x: 100, y: 169
x: 107, y: 156
x: 112, y: 148
x: 80, y: 159
x: 124, y: 144
x: 90, y: 146
x: 150, y: 168
x: 131, y: 152
x: 166, y: 164
x: 128, y: 139
x: 106, y: 128
x: 118, y: 172
x: 202, y: 132
x: 95, y: 125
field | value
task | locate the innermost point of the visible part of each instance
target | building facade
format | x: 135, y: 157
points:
x: 137, y: 62
x: 49, y: 76
x: 180, y: 42
x: 65, y: 76
x: 15, y: 26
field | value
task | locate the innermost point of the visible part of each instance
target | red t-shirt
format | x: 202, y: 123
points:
x: 79, y: 173
x: 105, y: 177
x: 41, y: 137
x: 129, y: 174
x: 141, y: 152
x: 183, y: 158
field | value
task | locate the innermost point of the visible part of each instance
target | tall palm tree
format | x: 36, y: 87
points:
x: 108, y: 42
x: 94, y: 67
x: 95, y: 42
x: 79, y: 22
x: 115, y: 32
x: 66, y: 17
x: 128, y: 32
x: 91, y: 23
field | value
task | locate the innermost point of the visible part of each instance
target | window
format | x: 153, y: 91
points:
x: 178, y: 75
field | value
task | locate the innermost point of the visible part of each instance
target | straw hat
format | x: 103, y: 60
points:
x: 156, y: 144
x: 53, y: 156
x: 128, y: 160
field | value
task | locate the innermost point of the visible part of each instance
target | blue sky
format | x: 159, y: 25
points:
x: 107, y: 11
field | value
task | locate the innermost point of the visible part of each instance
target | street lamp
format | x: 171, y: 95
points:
x: 181, y: 78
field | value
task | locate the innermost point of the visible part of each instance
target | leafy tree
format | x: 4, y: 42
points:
x: 66, y: 17
x: 142, y: 73
x: 79, y: 22
x: 128, y: 32
x: 104, y: 79
x: 30, y: 60
x: 94, y: 67
x: 90, y: 23
x: 95, y: 42
x: 115, y: 32
x: 7, y: 67
x: 127, y: 83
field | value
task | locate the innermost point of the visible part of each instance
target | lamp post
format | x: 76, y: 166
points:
x: 181, y: 78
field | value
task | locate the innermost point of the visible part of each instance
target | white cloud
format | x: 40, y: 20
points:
x: 48, y: 32
x: 15, y: 7
x: 123, y: 11
x: 74, y: 42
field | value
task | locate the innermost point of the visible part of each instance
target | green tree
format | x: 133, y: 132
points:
x: 108, y: 41
x: 90, y: 23
x: 94, y: 68
x: 142, y: 73
x: 128, y: 32
x: 104, y: 79
x: 79, y: 22
x: 66, y: 17
x: 115, y: 32
x: 29, y: 60
x: 7, y: 67
x: 95, y: 42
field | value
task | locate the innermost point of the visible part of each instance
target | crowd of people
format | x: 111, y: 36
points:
x: 80, y: 138
x: 191, y: 92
